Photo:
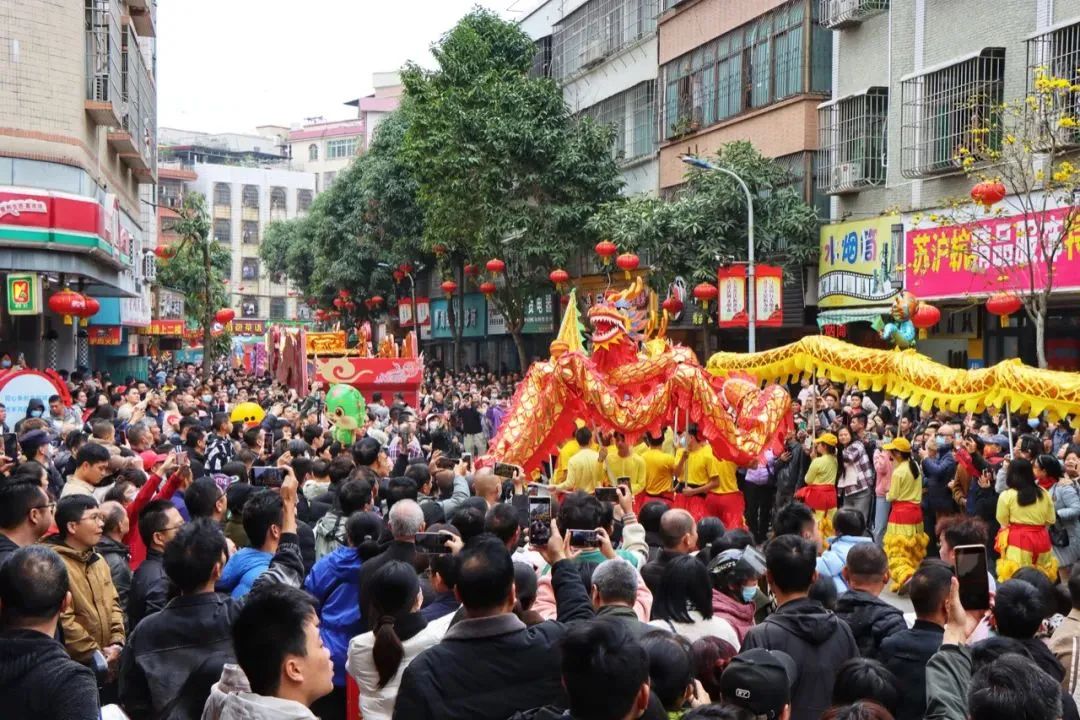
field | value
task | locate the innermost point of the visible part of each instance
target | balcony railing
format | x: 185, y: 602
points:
x: 140, y: 121
x: 837, y: 14
x: 104, y: 93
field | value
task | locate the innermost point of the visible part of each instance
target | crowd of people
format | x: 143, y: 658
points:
x: 160, y: 560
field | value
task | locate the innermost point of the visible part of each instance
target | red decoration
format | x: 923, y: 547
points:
x: 344, y: 294
x: 376, y: 300
x: 449, y: 287
x: 67, y: 303
x: 334, y: 314
x: 559, y: 277
x: 320, y: 315
x: 628, y: 262
x: 988, y: 193
x: 472, y: 270
x: 350, y: 306
x: 488, y: 288
x: 439, y: 249
x: 706, y: 293
x: 495, y: 265
x: 1004, y: 304
x: 405, y: 268
x: 925, y: 317
x: 564, y: 300
x: 164, y: 252
x: 224, y: 315
x: 339, y: 303
x: 92, y: 308
x: 312, y: 302
x: 605, y: 249
x: 673, y: 305
x: 398, y: 276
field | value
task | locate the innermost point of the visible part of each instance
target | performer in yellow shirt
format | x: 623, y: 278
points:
x: 659, y: 474
x: 623, y: 463
x: 905, y: 537
x: 569, y: 449
x: 702, y: 473
x: 725, y: 501
x: 585, y: 471
x: 1024, y: 511
x: 819, y: 492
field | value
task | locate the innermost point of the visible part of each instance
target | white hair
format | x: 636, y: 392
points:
x: 616, y: 580
x: 406, y: 518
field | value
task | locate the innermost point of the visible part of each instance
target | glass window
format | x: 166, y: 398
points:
x: 342, y: 148
x: 251, y: 196
x: 313, y: 152
x: 222, y: 194
x: 249, y: 268
x: 277, y: 308
x: 277, y: 198
x: 222, y: 230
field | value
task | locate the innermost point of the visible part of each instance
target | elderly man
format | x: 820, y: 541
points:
x: 614, y: 594
x: 406, y: 520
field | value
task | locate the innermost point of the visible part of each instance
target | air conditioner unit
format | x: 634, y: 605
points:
x: 846, y: 175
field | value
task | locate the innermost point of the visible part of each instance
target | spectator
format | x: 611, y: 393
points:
x: 491, y: 648
x: 678, y: 536
x: 94, y: 620
x: 796, y: 518
x: 26, y: 513
x: 1065, y: 533
x: 683, y: 603
x: 112, y: 548
x: 957, y: 530
x: 864, y: 679
x: 219, y: 447
x: 735, y: 574
x: 850, y: 526
x: 353, y: 496
x: 1018, y: 614
x: 204, y: 498
x: 37, y: 678
x: 763, y: 682
x: 1065, y: 643
x: 614, y: 593
x: 818, y: 641
x: 158, y: 525
x: 264, y: 514
x: 711, y: 656
x: 91, y: 467
x: 939, y: 469
x: 871, y: 619
x: 444, y: 572
x: 406, y: 519
x: 671, y: 672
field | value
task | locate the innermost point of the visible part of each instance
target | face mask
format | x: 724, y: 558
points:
x: 207, y: 399
x: 1033, y: 423
x: 749, y: 592
x: 942, y: 443
x: 35, y: 413
x: 5, y: 363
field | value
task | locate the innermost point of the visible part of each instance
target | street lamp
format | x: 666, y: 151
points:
x: 751, y: 310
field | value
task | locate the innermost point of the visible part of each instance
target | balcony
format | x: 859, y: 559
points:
x: 839, y: 14
x: 121, y: 142
x: 140, y: 122
x: 144, y: 17
x: 104, y: 93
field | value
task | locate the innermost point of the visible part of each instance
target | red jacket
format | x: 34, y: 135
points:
x: 146, y: 493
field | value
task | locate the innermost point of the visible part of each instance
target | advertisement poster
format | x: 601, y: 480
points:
x: 858, y: 263
x: 732, y: 298
x: 769, y: 296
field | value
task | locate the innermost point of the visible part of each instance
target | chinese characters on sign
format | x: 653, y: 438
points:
x: 24, y: 294
x: 769, y: 296
x: 248, y: 327
x: 170, y: 304
x: 858, y: 263
x: 173, y: 328
x: 470, y: 315
x: 104, y: 335
x: 990, y: 256
x: 405, y: 311
x: 731, y: 311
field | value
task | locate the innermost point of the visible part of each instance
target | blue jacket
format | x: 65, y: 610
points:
x: 832, y: 561
x: 242, y: 570
x: 335, y: 583
x: 939, y: 468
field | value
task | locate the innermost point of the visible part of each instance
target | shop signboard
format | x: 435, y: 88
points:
x: 247, y: 326
x: 41, y: 217
x: 18, y: 387
x: 496, y: 323
x: 858, y: 263
x: 470, y: 314
x: 170, y: 304
x: 24, y: 294
x: 539, y: 318
x: 990, y: 256
x: 174, y: 328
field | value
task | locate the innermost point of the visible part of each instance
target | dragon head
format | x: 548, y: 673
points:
x: 618, y: 322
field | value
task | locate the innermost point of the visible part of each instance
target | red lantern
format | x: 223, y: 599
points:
x: 449, y: 287
x: 312, y: 302
x: 559, y: 277
x: 495, y: 265
x: 338, y: 303
x: 164, y: 252
x: 398, y: 276
x: 564, y: 300
x: 672, y: 305
x: 1004, y: 304
x: 224, y: 315
x: 67, y: 303
x: 376, y: 300
x: 488, y: 288
x: 471, y: 270
x: 628, y: 262
x: 350, y: 306
x: 705, y: 293
x: 320, y: 315
x: 344, y: 294
x: 368, y: 304
x: 988, y: 193
x: 605, y: 249
x: 925, y: 317
x: 406, y: 269
x: 92, y: 309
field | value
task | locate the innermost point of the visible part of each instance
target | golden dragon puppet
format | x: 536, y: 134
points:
x: 635, y: 381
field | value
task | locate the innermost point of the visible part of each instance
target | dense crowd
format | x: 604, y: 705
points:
x: 160, y: 560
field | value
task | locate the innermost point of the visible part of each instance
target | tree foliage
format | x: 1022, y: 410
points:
x: 705, y: 224
x: 503, y: 169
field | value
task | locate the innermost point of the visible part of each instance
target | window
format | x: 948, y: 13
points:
x: 852, y: 142
x: 312, y: 152
x: 343, y: 148
x: 837, y: 14
x: 750, y: 67
x: 328, y: 179
x: 1056, y: 54
x: 277, y: 198
x: 168, y: 224
x: 632, y: 114
x: 598, y: 29
x: 303, y: 200
x: 249, y: 306
x: 541, y: 66
x: 222, y: 230
x: 277, y: 308
x: 250, y: 196
x: 249, y: 232
x: 249, y: 268
x: 950, y: 111
x: 798, y: 165
x: 222, y: 194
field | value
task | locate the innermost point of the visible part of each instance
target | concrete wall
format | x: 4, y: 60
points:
x: 690, y: 24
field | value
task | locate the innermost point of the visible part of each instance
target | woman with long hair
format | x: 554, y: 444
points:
x: 377, y: 659
x: 1025, y: 512
x: 684, y: 604
x: 905, y: 538
x: 857, y: 475
x: 819, y: 493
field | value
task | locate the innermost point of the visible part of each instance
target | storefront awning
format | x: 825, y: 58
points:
x: 841, y: 316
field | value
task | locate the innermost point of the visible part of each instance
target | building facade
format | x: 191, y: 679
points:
x: 325, y: 148
x: 912, y: 80
x: 78, y: 130
x: 385, y: 99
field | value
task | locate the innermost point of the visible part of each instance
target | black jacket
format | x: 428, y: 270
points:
x: 38, y: 680
x: 7, y: 547
x: 396, y: 550
x: 653, y: 571
x: 149, y: 589
x: 119, y: 558
x: 906, y: 653
x: 626, y: 616
x: 817, y: 640
x: 490, y: 668
x: 166, y: 647
x: 871, y: 620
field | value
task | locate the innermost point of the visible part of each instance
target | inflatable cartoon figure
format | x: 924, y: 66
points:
x: 346, y: 411
x: 900, y: 331
x: 248, y: 414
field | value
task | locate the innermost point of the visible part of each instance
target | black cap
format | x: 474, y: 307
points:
x: 759, y: 680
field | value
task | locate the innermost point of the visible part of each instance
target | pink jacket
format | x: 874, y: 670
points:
x: 739, y: 615
x: 883, y: 467
x: 545, y: 599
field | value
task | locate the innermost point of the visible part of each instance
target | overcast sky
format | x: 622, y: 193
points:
x: 230, y: 65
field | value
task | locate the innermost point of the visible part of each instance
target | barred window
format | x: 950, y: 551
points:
x: 950, y: 111
x: 852, y: 141
x: 632, y: 114
x: 222, y: 230
x: 541, y: 66
x: 313, y: 152
x: 249, y: 268
x: 277, y: 308
x: 250, y: 196
x: 222, y: 194
x: 303, y: 200
x: 838, y: 14
x: 596, y: 30
x: 277, y: 198
x: 249, y: 306
x: 249, y: 232
x: 1056, y: 54
x: 750, y: 67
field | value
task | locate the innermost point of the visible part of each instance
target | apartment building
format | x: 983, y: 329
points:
x: 78, y: 132
x: 325, y: 148
x: 911, y: 80
x: 383, y: 100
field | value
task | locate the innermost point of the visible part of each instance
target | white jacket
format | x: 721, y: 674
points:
x: 231, y: 699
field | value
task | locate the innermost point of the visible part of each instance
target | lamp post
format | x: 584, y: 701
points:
x: 751, y: 307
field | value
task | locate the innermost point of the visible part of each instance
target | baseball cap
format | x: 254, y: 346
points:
x: 759, y: 680
x: 827, y: 439
x: 900, y: 444
x: 1000, y: 440
x: 151, y: 458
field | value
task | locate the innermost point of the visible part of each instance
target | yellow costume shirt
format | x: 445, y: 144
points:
x: 822, y: 470
x: 585, y: 472
x: 702, y: 466
x: 659, y: 471
x: 905, y: 487
x: 1011, y: 512
x: 567, y: 451
x: 631, y: 466
x: 728, y: 482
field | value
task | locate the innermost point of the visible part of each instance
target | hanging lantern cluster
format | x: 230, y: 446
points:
x: 925, y: 317
x: 70, y: 304
x: 705, y: 293
x: 988, y: 193
x: 1004, y: 305
x: 605, y: 249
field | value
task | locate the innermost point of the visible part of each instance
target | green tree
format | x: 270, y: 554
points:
x: 704, y: 225
x: 199, y: 269
x: 503, y: 169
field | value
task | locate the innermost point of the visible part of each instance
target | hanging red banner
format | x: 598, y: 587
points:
x: 731, y: 311
x: 769, y: 296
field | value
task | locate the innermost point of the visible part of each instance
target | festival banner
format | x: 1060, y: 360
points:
x: 405, y: 311
x: 731, y: 311
x: 858, y: 263
x: 989, y: 256
x: 769, y: 296
x: 174, y: 328
x: 103, y: 335
x: 24, y: 294
x: 370, y: 375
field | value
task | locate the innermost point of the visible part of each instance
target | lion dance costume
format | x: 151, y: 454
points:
x: 1024, y: 539
x: 819, y: 493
